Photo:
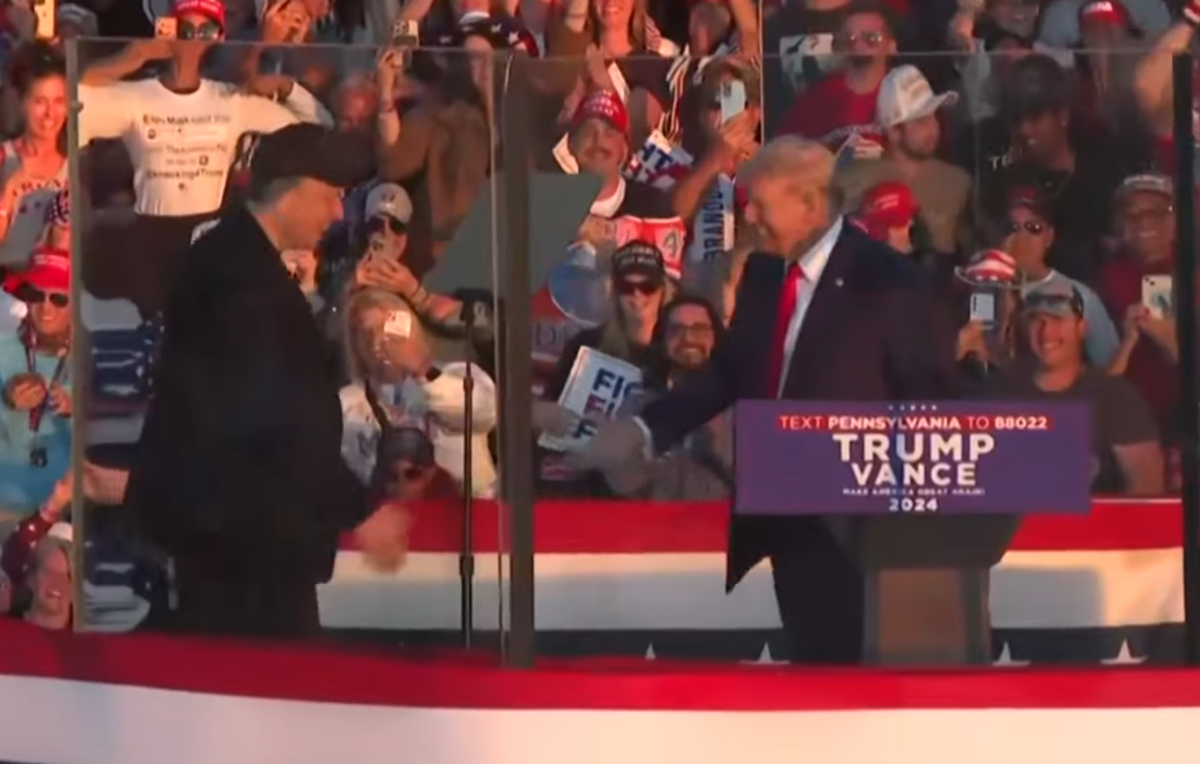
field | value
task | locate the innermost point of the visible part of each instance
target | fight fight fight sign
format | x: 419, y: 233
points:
x: 804, y: 458
x: 598, y: 389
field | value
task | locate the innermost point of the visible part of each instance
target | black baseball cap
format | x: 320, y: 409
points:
x: 1056, y: 297
x: 306, y: 150
x: 639, y: 257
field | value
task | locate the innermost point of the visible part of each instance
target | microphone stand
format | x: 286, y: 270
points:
x: 466, y: 556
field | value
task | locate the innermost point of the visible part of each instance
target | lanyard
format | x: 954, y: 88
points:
x: 36, y: 414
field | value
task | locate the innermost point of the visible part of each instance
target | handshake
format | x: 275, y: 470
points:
x: 616, y: 445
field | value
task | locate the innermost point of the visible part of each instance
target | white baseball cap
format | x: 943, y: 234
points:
x: 905, y: 95
x: 389, y: 199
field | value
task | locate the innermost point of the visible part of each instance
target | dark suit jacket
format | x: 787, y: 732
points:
x: 873, y: 332
x: 240, y: 468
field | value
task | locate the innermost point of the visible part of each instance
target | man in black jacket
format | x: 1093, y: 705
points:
x: 240, y: 477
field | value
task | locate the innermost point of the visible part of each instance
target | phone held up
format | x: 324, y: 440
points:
x: 44, y: 13
x: 405, y: 34
x: 983, y: 308
x: 166, y: 27
x: 1156, y: 296
x: 733, y: 99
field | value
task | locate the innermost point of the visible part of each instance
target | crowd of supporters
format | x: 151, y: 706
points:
x: 1020, y: 150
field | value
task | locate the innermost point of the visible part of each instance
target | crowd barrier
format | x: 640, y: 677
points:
x: 647, y: 578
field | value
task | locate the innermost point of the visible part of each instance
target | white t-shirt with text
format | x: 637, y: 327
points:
x: 183, y: 144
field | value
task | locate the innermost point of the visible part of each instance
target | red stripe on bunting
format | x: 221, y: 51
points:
x: 636, y: 527
x: 261, y: 670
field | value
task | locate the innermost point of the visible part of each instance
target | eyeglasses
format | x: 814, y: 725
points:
x: 379, y: 222
x: 1029, y: 226
x: 871, y: 39
x: 628, y: 288
x: 35, y: 296
x: 205, y: 30
x: 701, y: 331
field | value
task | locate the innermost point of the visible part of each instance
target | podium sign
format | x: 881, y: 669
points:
x: 914, y: 458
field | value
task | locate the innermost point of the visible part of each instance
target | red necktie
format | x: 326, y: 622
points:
x: 787, y: 308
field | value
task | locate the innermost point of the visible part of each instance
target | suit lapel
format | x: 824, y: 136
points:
x: 823, y: 311
x: 758, y: 307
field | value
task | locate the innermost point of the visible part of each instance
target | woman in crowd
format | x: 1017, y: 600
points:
x: 50, y: 582
x: 33, y: 166
x: 632, y: 58
x: 640, y: 287
x: 391, y: 371
x: 35, y: 418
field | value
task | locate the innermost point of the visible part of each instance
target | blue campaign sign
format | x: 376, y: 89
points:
x: 961, y: 457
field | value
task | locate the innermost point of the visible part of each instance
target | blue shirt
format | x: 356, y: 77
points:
x: 24, y: 487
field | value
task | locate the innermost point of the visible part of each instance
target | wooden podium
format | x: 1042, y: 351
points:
x: 925, y: 584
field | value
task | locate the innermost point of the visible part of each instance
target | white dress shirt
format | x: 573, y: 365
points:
x: 812, y: 265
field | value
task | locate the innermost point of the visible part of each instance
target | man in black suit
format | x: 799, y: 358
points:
x: 823, y: 313
x: 240, y: 477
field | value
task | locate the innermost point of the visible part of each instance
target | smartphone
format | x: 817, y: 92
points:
x: 1156, y: 296
x: 847, y: 152
x: 166, y: 27
x: 44, y: 12
x: 983, y: 308
x: 405, y: 34
x: 398, y: 324
x: 733, y: 99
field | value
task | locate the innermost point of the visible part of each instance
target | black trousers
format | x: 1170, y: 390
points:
x: 820, y: 596
x: 228, y: 606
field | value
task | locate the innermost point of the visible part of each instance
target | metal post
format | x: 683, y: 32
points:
x: 516, y: 365
x: 80, y: 365
x: 1185, y: 327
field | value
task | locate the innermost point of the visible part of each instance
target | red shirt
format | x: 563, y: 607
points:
x: 831, y: 112
x: 1150, y: 371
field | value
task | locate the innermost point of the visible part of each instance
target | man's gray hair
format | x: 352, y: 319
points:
x: 259, y: 198
x: 806, y: 163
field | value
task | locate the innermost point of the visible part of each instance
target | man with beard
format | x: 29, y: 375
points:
x: 907, y: 111
x: 699, y: 469
x: 624, y: 210
x: 839, y: 111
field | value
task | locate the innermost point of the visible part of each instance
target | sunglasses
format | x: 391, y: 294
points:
x: 205, y: 30
x: 377, y: 224
x: 628, y: 288
x: 1029, y: 226
x: 872, y: 39
x: 35, y: 296
x: 412, y: 473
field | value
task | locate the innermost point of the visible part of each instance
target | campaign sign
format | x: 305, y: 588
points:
x: 598, y: 389
x: 960, y: 457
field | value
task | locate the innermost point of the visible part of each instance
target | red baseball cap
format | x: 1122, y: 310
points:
x: 890, y: 204
x: 49, y: 270
x: 211, y: 9
x: 1105, y: 12
x: 604, y: 105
